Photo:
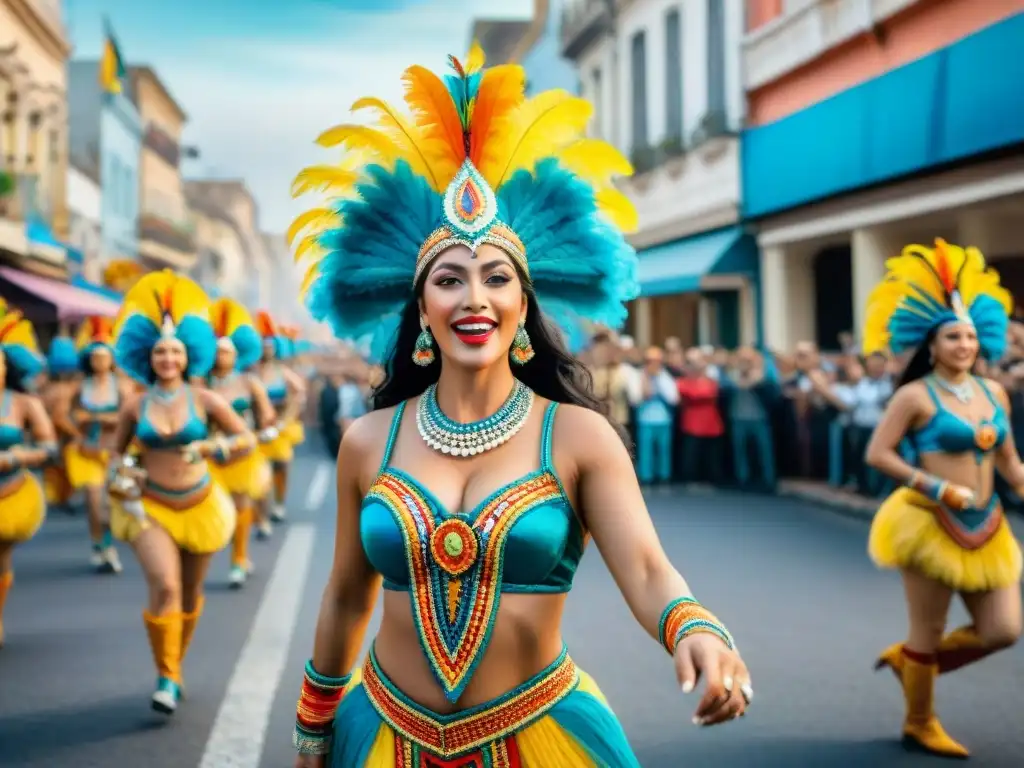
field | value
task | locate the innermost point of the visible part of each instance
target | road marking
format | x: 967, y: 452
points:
x: 320, y: 485
x: 236, y: 739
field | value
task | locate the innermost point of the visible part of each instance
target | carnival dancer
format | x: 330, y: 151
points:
x: 471, y: 492
x: 287, y: 394
x: 164, y: 502
x: 27, y: 441
x: 246, y: 476
x: 944, y: 529
x: 87, y: 418
x: 291, y: 357
x: 63, y: 370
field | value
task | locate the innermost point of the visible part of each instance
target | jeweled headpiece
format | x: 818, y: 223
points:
x: 926, y: 288
x: 474, y: 162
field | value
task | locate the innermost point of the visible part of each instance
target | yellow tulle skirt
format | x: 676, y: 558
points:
x: 56, y: 485
x: 248, y: 476
x: 85, y: 469
x: 280, y: 450
x: 294, y: 432
x: 202, y: 528
x: 22, y: 508
x: 905, y: 533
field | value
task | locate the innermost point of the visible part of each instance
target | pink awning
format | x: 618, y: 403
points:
x: 70, y: 302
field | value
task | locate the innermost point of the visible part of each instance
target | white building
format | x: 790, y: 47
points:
x: 664, y: 77
x: 85, y: 206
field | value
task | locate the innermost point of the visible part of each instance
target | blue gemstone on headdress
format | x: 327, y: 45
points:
x: 470, y: 206
x: 468, y: 202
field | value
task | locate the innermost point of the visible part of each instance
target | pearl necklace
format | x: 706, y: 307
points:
x: 456, y: 439
x: 963, y: 392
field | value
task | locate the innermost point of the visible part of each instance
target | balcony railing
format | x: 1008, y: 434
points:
x: 583, y: 22
x: 162, y: 144
x: 174, y: 235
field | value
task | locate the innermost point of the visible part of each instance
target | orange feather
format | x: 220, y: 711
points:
x: 434, y: 110
x: 502, y: 90
x: 943, y: 267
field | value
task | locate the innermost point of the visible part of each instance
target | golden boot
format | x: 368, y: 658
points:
x: 165, y: 635
x: 921, y: 728
x: 189, y: 621
x: 957, y: 649
x: 6, y: 581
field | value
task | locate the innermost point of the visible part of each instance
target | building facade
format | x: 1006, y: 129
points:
x: 33, y: 136
x: 106, y: 134
x: 664, y: 78
x: 85, y: 239
x: 874, y: 125
x: 166, y: 233
x: 540, y: 51
x: 284, y: 303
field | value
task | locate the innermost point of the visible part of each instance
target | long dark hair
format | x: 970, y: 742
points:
x: 553, y: 373
x: 921, y: 363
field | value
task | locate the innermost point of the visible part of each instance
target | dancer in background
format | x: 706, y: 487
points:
x: 291, y: 357
x: 164, y: 502
x: 87, y: 418
x: 944, y: 529
x: 27, y: 441
x: 246, y: 475
x: 63, y: 368
x: 287, y: 394
x: 472, y: 490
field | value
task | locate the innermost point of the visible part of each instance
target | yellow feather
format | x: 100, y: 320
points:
x: 308, y: 246
x: 323, y: 178
x: 228, y: 315
x: 310, y: 277
x: 596, y: 161
x: 371, y: 142
x: 158, y: 292
x: 618, y: 208
x: 541, y: 127
x: 316, y: 218
x: 476, y: 59
x: 423, y: 155
x: 15, y: 329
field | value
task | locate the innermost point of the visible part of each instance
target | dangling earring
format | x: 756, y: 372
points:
x: 423, y: 354
x: 522, y: 350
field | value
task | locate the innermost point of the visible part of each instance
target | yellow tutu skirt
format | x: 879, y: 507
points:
x: 22, y: 508
x: 85, y: 469
x: 56, y: 485
x: 295, y: 432
x: 200, y: 520
x: 558, y: 718
x: 280, y: 450
x: 249, y: 476
x: 908, y: 533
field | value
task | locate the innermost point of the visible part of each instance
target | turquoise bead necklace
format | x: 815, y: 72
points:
x: 456, y: 439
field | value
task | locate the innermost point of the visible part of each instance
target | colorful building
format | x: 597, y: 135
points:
x: 664, y: 79
x: 876, y: 124
x: 540, y: 51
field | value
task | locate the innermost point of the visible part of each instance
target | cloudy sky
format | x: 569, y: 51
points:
x: 260, y: 79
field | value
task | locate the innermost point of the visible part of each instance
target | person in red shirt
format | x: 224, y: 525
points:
x: 700, y: 421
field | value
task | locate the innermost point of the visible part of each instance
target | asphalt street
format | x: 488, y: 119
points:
x: 791, y: 580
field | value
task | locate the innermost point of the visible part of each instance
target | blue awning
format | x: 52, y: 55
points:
x: 108, y: 293
x: 679, y: 266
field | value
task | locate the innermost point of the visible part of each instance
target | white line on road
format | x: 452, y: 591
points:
x: 236, y: 739
x: 318, y: 488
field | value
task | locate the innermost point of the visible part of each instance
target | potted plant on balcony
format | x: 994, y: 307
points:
x: 6, y: 190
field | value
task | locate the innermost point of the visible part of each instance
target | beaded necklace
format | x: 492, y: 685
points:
x: 456, y: 439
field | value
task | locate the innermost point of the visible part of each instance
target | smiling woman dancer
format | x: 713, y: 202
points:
x: 163, y: 500
x: 287, y: 394
x: 22, y: 418
x: 88, y: 416
x: 470, y: 493
x: 246, y: 475
x: 945, y: 528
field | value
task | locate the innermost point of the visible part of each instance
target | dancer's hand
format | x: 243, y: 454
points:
x: 727, y: 691
x: 310, y: 761
x: 7, y: 460
x: 198, y: 450
x: 957, y: 497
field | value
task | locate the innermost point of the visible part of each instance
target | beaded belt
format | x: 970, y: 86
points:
x: 178, y: 500
x: 970, y: 528
x: 448, y: 736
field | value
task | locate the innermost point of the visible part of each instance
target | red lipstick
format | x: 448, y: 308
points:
x: 474, y: 330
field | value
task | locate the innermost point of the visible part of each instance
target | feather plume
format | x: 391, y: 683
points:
x: 542, y: 126
x: 434, y: 112
x: 316, y: 219
x: 323, y: 178
x: 94, y: 330
x: 475, y: 60
x: 595, y: 161
x: 265, y: 324
x: 16, y: 330
x: 618, y: 208
x: 309, y: 246
x: 500, y: 94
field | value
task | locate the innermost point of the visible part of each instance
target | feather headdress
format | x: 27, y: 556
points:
x: 164, y: 305
x: 94, y: 333
x: 929, y: 287
x: 62, y: 356
x: 473, y: 161
x: 270, y: 331
x: 19, y: 346
x: 232, y: 321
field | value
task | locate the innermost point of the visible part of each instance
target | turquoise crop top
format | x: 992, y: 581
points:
x: 193, y: 429
x: 277, y: 390
x: 946, y: 432
x: 88, y: 403
x: 241, y: 405
x: 524, y: 537
x: 10, y: 435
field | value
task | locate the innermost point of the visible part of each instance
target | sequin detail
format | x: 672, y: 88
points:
x: 454, y: 607
x: 482, y: 734
x: 470, y: 206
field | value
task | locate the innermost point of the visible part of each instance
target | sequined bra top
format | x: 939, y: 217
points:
x: 277, y: 390
x: 524, y: 537
x: 88, y: 401
x: 193, y: 429
x: 946, y: 432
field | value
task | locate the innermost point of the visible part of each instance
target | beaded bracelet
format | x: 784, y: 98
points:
x: 683, y: 617
x: 314, y: 713
x: 934, y: 488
